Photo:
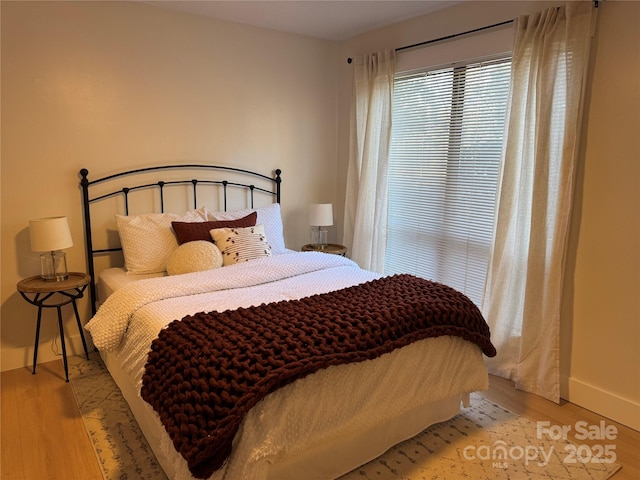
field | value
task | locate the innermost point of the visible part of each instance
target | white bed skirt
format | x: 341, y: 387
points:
x: 434, y: 396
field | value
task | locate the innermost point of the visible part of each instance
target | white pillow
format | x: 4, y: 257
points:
x: 194, y: 257
x: 241, y: 244
x: 147, y: 240
x: 269, y: 216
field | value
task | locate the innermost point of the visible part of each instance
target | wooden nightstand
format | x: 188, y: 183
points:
x: 45, y: 294
x: 332, y: 248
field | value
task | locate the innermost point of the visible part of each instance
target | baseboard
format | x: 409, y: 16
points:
x: 607, y: 404
x: 21, y: 357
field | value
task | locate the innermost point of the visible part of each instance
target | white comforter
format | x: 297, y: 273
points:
x: 112, y: 320
x: 155, y: 302
x: 325, y: 408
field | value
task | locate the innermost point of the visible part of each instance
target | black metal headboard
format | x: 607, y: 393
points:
x: 117, y: 187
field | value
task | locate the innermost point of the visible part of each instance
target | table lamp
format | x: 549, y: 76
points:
x: 320, y: 215
x: 51, y: 235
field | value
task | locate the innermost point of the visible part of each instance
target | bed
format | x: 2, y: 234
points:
x: 152, y: 266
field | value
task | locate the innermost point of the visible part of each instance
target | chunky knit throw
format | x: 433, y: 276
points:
x: 206, y: 371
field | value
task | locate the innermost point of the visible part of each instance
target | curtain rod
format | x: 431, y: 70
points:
x: 406, y: 47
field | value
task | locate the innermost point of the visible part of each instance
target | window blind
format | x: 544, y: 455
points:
x: 444, y: 161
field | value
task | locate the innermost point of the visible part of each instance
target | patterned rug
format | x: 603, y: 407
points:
x: 484, y: 441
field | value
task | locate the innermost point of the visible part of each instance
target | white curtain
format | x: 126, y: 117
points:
x: 365, y: 219
x: 524, y: 284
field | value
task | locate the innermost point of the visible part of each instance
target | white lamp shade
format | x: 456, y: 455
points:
x: 49, y: 234
x: 321, y: 215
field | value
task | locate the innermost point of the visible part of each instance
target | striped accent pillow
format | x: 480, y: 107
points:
x: 241, y: 244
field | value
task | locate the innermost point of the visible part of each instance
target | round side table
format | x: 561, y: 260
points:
x: 52, y: 294
x: 332, y: 248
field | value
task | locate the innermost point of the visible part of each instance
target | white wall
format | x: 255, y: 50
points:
x: 113, y: 85
x: 600, y: 341
x: 601, y: 318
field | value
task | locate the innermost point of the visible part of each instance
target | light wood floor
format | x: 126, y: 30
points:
x: 43, y: 436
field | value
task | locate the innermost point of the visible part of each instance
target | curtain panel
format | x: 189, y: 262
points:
x: 365, y: 219
x: 523, y: 292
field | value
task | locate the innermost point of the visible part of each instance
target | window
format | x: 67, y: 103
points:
x: 446, y: 144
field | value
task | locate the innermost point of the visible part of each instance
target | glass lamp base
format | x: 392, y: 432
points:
x: 53, y: 266
x: 319, y: 237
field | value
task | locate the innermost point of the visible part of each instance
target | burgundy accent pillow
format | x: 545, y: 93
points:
x: 192, y: 231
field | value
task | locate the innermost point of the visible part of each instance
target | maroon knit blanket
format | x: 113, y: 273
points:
x: 206, y: 371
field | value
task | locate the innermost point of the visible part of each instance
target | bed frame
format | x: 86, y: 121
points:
x: 208, y: 177
x: 328, y: 459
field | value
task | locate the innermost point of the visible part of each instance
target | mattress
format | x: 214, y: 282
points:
x: 114, y: 278
x: 323, y: 425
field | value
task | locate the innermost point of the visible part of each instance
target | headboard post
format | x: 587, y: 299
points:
x: 84, y: 183
x: 278, y: 181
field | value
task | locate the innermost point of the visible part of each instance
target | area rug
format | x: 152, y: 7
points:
x: 122, y: 451
x: 484, y: 441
